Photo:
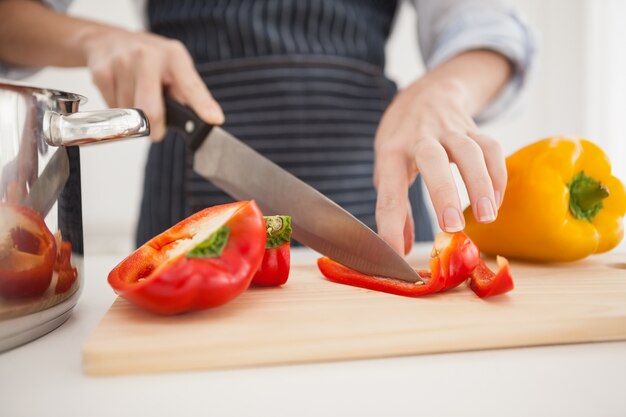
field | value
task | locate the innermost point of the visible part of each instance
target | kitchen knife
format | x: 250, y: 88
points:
x: 317, y: 221
x: 45, y: 191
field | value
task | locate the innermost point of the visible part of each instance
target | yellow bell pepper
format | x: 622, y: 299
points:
x: 561, y: 204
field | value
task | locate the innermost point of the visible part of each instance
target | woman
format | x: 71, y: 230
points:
x: 302, y: 81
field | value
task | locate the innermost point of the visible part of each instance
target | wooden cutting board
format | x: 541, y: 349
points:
x: 311, y: 319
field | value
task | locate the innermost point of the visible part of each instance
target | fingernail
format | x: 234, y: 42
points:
x: 498, y: 196
x: 452, y: 220
x: 486, y: 212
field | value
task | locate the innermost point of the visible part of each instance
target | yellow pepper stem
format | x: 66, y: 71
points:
x: 586, y: 195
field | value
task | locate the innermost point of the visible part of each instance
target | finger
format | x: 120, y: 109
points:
x: 496, y: 164
x: 434, y: 166
x: 469, y: 157
x: 191, y: 90
x: 149, y: 97
x: 103, y: 79
x: 195, y: 94
x: 124, y: 84
x: 409, y: 230
x: 392, y: 199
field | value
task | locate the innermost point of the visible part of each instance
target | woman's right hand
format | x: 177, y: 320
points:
x: 135, y: 69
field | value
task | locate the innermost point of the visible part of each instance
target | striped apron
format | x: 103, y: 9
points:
x: 300, y: 81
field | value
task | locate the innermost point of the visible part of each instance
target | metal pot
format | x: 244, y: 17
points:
x: 41, y: 233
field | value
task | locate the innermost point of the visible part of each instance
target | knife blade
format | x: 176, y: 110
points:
x: 45, y: 191
x: 317, y: 221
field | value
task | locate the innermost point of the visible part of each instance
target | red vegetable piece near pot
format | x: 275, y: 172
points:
x: 66, y: 272
x: 27, y: 252
x: 274, y: 270
x: 204, y: 261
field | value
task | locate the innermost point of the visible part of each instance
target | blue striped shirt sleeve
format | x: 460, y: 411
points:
x: 449, y: 27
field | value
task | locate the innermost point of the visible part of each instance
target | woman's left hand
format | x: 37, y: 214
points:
x: 426, y: 127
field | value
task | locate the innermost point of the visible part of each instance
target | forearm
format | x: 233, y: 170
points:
x: 474, y: 77
x: 33, y: 35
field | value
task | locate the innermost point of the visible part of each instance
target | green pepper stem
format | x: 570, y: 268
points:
x: 278, y: 230
x: 586, y: 196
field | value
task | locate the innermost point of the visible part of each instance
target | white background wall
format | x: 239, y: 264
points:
x: 569, y: 94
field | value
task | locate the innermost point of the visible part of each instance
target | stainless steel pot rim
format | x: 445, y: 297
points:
x: 45, y: 92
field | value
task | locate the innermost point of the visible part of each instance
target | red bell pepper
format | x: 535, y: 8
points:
x: 204, y: 261
x: 485, y: 283
x: 27, y: 252
x: 274, y: 270
x: 453, y: 258
x: 66, y: 272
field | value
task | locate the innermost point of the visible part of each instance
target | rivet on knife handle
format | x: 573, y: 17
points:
x: 186, y: 122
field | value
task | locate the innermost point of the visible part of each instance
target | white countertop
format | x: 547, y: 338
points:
x: 44, y: 378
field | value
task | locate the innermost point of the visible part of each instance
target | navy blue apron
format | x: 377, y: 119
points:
x: 300, y: 81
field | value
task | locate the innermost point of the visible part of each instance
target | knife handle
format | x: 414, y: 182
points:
x: 181, y: 118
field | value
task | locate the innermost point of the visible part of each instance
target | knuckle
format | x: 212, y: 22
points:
x: 467, y: 146
x: 481, y: 182
x: 442, y: 192
x: 121, y: 60
x: 144, y: 52
x: 427, y: 148
x: 491, y: 146
x: 453, y: 136
x: 177, y: 47
x: 387, y: 202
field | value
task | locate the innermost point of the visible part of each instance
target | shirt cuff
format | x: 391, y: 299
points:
x: 503, y: 32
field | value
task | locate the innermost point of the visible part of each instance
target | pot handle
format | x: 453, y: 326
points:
x: 94, y: 126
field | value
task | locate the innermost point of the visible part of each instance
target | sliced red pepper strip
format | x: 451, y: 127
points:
x: 341, y: 274
x: 274, y: 270
x: 485, y: 283
x: 202, y: 262
x: 454, y: 257
x: 27, y: 252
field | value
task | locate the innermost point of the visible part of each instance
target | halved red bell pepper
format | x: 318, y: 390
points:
x: 453, y: 258
x: 66, y: 272
x: 274, y: 270
x: 485, y: 283
x: 204, y: 261
x: 27, y: 252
